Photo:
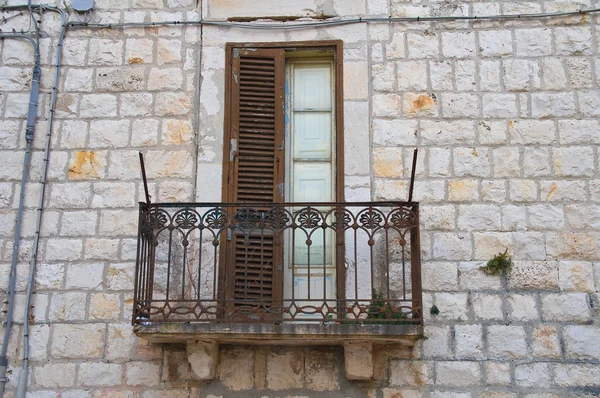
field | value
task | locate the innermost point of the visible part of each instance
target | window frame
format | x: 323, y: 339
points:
x: 337, y: 46
x: 227, y: 193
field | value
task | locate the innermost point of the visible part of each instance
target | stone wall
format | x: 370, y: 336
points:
x: 506, y: 117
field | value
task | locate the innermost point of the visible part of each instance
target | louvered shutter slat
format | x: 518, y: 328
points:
x: 257, y: 123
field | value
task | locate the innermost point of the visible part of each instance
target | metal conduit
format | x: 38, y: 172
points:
x: 29, y: 131
x: 29, y: 136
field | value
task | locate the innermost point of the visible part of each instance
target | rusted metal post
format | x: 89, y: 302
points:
x: 412, y: 175
x: 144, y: 178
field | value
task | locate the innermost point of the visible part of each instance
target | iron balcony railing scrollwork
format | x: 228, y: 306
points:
x: 331, y: 263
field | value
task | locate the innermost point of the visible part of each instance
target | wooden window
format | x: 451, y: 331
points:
x: 267, y: 160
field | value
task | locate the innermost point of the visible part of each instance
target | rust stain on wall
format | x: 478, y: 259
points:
x: 84, y: 165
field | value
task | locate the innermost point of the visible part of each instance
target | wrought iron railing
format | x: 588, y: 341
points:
x: 330, y: 263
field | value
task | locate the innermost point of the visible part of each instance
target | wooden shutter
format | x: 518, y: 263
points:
x: 255, y: 171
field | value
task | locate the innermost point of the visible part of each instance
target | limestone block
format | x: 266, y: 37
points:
x: 463, y: 190
x: 478, y: 218
x: 439, y: 162
x: 532, y: 132
x: 497, y: 373
x: 521, y: 75
x: 495, y: 43
x: 461, y: 105
x: 452, y: 246
x: 437, y: 344
x: 523, y: 190
x: 386, y: 105
x: 545, y: 217
x: 144, y: 132
x: 536, y: 162
x: 439, y: 276
x: 506, y: 162
x: 534, y: 275
x: 85, y: 276
x: 581, y: 342
x: 573, y: 161
x: 441, y: 75
x: 489, y: 75
x: 234, y: 371
x: 165, y: 79
x: 499, y: 105
x: 438, y: 217
x: 578, y: 131
x: 472, y: 278
x: 67, y: 307
x: 78, y: 341
x: 468, y: 341
x: 458, y: 374
x: 169, y: 164
x: 465, y: 75
x: 203, y: 359
x: 105, y: 306
x: 142, y: 374
x: 118, y: 222
x: 110, y: 194
x: 577, y: 375
x: 358, y: 361
x: 422, y: 45
x: 49, y: 276
x: 533, y: 42
x: 139, y: 51
x: 172, y: 104
x: 384, y: 77
x: 106, y: 52
x: 137, y: 104
x: 489, y: 244
x: 566, y: 307
x: 411, y: 373
x: 63, y: 249
x: 387, y: 162
x: 39, y: 340
x: 175, y: 366
x: 100, y: 374
x: 562, y: 190
x: 101, y: 249
x: 452, y: 306
x: 168, y: 51
x: 87, y: 165
x: 573, y: 245
x: 394, y: 132
x: 576, y: 276
x: 320, y: 371
x: 506, y: 342
x: 79, y: 80
x: 573, y: 40
x: 175, y: 191
x: 522, y: 307
x: 66, y: 106
x: 588, y: 103
x: 377, y: 54
x: 98, y: 105
x: 396, y: 49
x: 73, y: 134
x: 120, y: 79
x: 15, y: 79
x: 487, y: 306
x: 458, y: 44
x: 54, y: 375
x: 533, y: 375
x: 579, y: 71
x: 120, y: 343
x: 447, y: 132
x: 493, y: 191
x: 548, y: 105
x: 285, y: 370
x: 356, y: 80
x: 545, y: 342
x: 411, y: 75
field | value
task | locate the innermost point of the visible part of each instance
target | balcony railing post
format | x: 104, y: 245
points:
x: 415, y: 266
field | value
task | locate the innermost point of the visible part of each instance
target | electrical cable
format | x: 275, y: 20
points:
x: 337, y: 22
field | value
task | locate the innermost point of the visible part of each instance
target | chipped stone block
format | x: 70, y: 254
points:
x: 358, y: 361
x: 203, y: 359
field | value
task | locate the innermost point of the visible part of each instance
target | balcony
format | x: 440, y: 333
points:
x: 286, y: 273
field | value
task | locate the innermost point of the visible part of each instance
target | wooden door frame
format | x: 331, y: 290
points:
x: 226, y: 194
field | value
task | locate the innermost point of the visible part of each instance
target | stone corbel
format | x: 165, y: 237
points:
x: 203, y: 358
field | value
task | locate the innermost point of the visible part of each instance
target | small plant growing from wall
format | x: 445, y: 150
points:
x: 434, y: 310
x: 498, y: 265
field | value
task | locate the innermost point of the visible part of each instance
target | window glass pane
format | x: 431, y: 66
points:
x: 312, y: 182
x: 312, y: 135
x: 312, y: 86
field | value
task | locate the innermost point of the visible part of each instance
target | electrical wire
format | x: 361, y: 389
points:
x: 337, y: 22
